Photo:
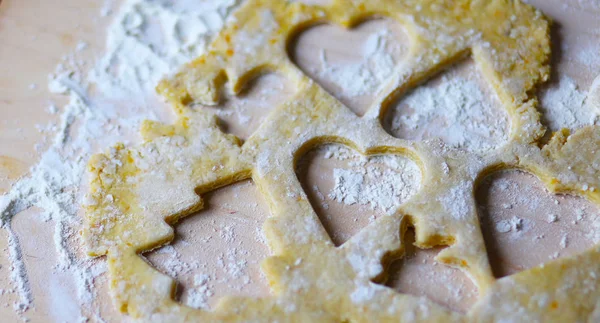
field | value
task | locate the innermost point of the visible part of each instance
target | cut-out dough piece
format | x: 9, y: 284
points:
x: 311, y: 279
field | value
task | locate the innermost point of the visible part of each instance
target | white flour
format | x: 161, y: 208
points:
x: 563, y: 106
x: 381, y: 182
x: 588, y: 56
x: 339, y: 176
x: 365, y: 76
x: 149, y: 39
x: 146, y: 40
x: 457, y: 110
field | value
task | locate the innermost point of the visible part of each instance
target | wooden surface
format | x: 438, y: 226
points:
x: 34, y: 35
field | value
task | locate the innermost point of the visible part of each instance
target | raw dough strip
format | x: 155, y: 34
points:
x: 312, y: 280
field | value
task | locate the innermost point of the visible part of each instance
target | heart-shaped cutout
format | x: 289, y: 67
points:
x: 218, y: 251
x: 417, y: 273
x: 525, y: 226
x: 457, y: 106
x: 352, y: 65
x: 243, y: 113
x: 348, y: 190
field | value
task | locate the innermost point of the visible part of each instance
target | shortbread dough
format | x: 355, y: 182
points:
x: 138, y: 193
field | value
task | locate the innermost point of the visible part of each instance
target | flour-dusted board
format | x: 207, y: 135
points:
x: 35, y: 37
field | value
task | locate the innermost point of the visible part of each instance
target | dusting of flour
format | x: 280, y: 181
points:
x: 455, y: 108
x: 364, y: 76
x: 146, y: 40
x: 349, y: 190
x: 366, y: 182
x: 563, y: 105
x: 218, y: 251
x: 529, y: 225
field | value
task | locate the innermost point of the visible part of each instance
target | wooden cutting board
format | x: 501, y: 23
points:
x: 34, y: 36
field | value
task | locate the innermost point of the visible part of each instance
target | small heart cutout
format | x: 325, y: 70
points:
x: 525, y: 226
x: 348, y: 190
x: 217, y: 252
x: 457, y: 106
x: 351, y: 65
x: 417, y: 273
x: 243, y: 113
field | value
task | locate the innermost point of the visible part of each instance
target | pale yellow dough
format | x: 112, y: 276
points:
x: 138, y: 193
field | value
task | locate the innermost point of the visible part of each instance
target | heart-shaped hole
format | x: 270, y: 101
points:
x: 352, y: 65
x: 417, y: 273
x: 243, y: 113
x: 218, y: 251
x: 348, y: 190
x: 525, y: 226
x: 457, y: 106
